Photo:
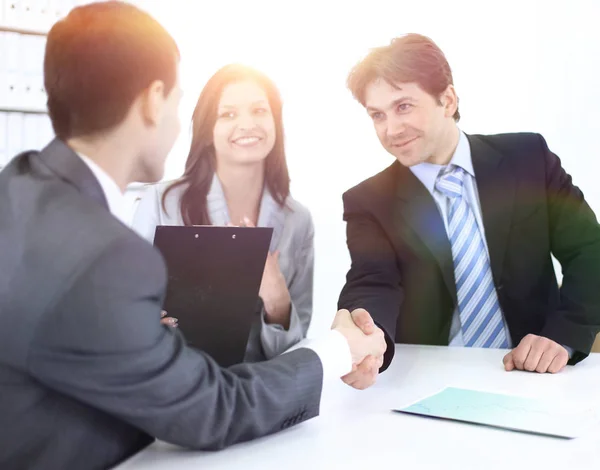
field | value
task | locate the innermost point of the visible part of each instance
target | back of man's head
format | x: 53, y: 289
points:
x: 97, y: 62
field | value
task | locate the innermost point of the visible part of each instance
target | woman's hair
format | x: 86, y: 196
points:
x: 200, y: 165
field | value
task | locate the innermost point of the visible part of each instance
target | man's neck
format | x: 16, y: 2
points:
x: 447, y: 147
x: 112, y: 156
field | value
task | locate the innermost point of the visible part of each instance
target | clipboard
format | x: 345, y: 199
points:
x: 214, y: 276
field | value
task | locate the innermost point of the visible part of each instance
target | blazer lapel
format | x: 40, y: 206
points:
x: 270, y: 214
x: 65, y: 163
x: 417, y: 207
x: 496, y: 187
x: 216, y: 203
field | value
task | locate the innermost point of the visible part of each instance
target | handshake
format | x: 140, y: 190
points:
x: 367, y: 346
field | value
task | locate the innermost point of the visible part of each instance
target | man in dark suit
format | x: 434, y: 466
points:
x: 452, y: 243
x: 88, y: 374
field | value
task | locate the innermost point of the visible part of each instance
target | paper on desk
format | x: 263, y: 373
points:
x: 502, y: 411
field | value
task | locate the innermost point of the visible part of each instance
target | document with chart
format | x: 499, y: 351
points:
x: 502, y: 411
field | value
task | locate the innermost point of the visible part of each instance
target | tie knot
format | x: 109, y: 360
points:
x: 450, y: 181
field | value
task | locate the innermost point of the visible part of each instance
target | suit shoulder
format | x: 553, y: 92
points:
x: 380, y: 184
x: 298, y: 211
x: 513, y: 143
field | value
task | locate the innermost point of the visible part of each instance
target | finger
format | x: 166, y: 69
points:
x: 163, y: 313
x: 379, y: 362
x: 363, y: 320
x: 534, y: 356
x: 364, y: 376
x: 508, y: 361
x: 520, y: 353
x: 544, y: 362
x: 170, y: 321
x: 247, y: 222
x: 558, y: 363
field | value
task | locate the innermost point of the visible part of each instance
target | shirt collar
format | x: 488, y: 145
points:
x: 114, y: 197
x: 427, y: 173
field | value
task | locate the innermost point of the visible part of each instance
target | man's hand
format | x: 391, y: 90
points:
x: 169, y: 321
x: 536, y: 353
x: 364, y: 372
x: 361, y: 344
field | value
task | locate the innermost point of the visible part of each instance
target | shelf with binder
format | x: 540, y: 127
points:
x: 22, y: 109
x: 23, y: 30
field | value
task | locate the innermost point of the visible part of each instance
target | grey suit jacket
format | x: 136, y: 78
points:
x: 88, y: 375
x: 293, y: 234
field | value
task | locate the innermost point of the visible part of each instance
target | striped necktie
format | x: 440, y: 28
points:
x: 478, y: 306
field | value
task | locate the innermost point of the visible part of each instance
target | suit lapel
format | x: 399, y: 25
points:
x: 65, y: 163
x: 416, y: 206
x: 216, y: 203
x: 270, y: 213
x: 496, y: 187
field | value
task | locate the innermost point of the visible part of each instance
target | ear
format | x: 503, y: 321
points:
x: 152, y: 102
x: 449, y: 100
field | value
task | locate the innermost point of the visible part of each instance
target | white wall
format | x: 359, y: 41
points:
x: 520, y: 66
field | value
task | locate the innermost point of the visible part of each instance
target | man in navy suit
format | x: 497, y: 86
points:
x: 452, y: 244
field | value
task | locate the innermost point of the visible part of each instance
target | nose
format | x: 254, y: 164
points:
x: 395, y: 125
x: 246, y: 122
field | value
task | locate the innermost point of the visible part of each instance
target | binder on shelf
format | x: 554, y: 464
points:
x: 3, y: 140
x: 12, y: 13
x: 14, y: 133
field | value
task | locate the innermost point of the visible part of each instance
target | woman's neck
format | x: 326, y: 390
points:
x: 243, y: 189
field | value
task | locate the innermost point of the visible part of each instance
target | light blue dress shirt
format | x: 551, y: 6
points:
x: 427, y: 173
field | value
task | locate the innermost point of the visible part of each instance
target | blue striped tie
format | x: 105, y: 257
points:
x: 478, y: 306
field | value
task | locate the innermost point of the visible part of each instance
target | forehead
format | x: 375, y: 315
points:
x: 244, y: 93
x: 381, y: 94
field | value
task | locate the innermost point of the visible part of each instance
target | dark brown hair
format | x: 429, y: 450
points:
x: 410, y: 58
x: 200, y: 164
x: 98, y: 60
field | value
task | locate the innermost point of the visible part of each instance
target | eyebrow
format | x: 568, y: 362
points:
x: 230, y: 106
x: 394, y: 103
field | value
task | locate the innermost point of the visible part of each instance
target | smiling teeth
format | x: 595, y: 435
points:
x: 246, y: 140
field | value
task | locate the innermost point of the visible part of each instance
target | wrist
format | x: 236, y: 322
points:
x: 278, y: 313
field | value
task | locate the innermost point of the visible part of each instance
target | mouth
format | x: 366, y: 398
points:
x: 405, y: 143
x: 247, y: 141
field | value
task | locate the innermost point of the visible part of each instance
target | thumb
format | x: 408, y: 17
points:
x: 363, y: 320
x: 509, y: 364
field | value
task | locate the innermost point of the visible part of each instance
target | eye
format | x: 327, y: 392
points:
x: 227, y: 115
x: 377, y: 116
x: 261, y: 111
x: 403, y: 107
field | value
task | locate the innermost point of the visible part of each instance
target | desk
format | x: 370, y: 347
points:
x: 357, y: 430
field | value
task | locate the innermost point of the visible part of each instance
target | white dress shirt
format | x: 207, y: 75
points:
x: 332, y: 348
x: 427, y: 173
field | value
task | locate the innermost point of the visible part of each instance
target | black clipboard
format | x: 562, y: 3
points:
x: 214, y: 276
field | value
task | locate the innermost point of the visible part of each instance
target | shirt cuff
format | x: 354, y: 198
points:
x: 333, y: 351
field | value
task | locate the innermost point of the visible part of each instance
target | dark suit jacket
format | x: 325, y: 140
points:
x: 88, y: 375
x: 402, y: 270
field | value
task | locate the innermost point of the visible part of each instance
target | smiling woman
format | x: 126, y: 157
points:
x: 236, y: 173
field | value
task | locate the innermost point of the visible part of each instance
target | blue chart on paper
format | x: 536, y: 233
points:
x: 498, y: 410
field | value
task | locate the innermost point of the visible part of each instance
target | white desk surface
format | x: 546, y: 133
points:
x: 356, y: 429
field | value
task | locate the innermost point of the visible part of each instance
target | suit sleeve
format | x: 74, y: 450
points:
x: 575, y: 242
x: 373, y: 281
x: 102, y: 344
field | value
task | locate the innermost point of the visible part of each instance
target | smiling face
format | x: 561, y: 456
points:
x: 244, y: 131
x: 410, y: 123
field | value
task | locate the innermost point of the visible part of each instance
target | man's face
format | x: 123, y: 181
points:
x: 409, y: 121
